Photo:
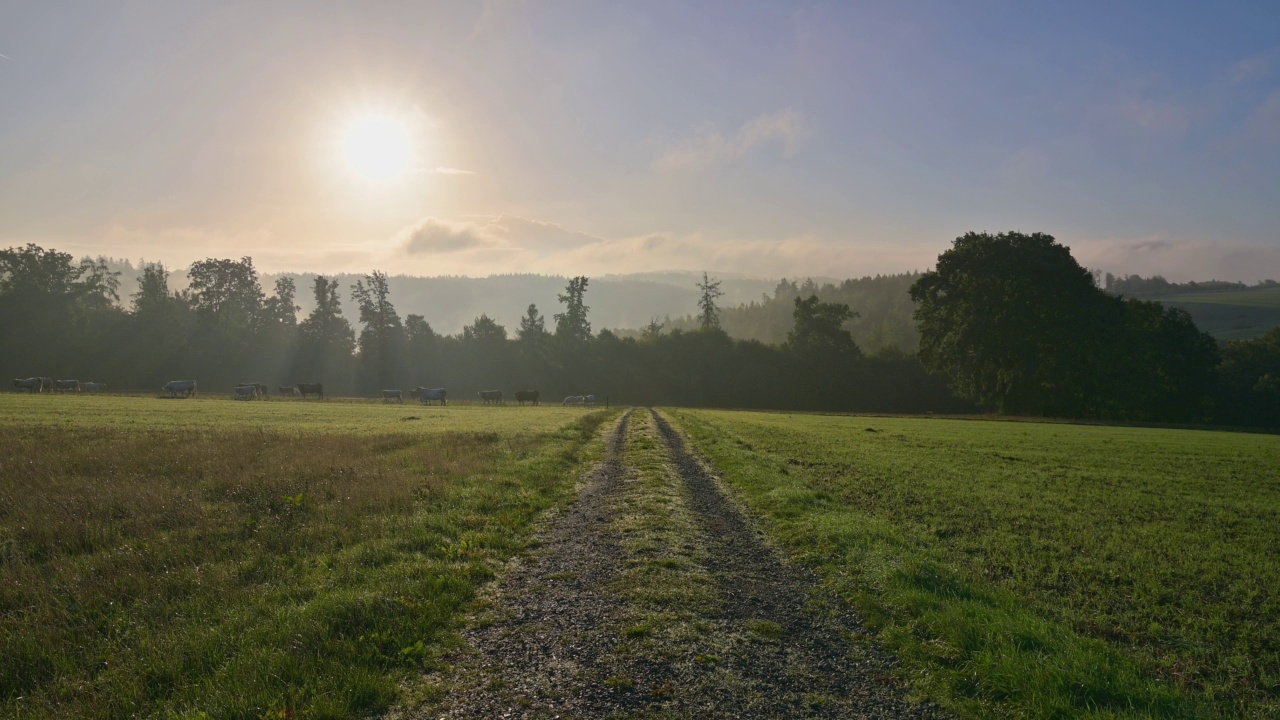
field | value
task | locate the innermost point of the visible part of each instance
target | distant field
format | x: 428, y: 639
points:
x: 207, y: 411
x: 208, y: 558
x: 1235, y: 315
x: 1038, y: 570
x: 1259, y: 297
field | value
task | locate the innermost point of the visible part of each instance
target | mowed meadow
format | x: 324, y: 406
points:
x: 1033, y: 569
x: 212, y: 558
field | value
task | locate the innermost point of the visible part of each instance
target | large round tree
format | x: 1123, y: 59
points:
x: 1014, y: 323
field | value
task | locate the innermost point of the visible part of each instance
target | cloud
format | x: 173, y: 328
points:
x: 431, y: 236
x: 179, y: 246
x: 1249, y: 69
x: 495, y: 15
x: 1165, y: 117
x: 451, y: 171
x: 1263, y: 124
x: 707, y: 146
x: 502, y: 232
x: 510, y: 243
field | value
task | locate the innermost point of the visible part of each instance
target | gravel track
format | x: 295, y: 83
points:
x: 530, y: 661
x: 555, y: 646
x: 811, y: 671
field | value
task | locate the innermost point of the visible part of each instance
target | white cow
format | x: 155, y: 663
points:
x: 66, y: 386
x: 574, y: 400
x: 389, y: 395
x: 246, y: 392
x: 31, y: 384
x: 186, y: 387
x: 426, y: 395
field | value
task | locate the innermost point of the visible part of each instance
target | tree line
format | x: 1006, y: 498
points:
x: 1157, y: 285
x: 883, y: 317
x: 63, y: 318
x: 1009, y: 323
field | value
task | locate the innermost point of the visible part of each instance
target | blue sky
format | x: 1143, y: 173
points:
x: 834, y: 139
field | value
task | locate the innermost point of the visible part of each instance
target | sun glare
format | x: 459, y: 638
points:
x: 376, y: 147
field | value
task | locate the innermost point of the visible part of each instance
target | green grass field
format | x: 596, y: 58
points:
x: 1033, y: 569
x: 184, y: 558
x: 1266, y: 297
x: 192, y: 558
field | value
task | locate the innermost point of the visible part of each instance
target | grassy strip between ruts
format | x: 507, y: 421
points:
x: 247, y: 573
x: 1030, y: 570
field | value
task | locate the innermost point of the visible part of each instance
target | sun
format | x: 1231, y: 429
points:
x: 377, y: 147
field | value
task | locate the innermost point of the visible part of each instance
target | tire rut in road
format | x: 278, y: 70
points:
x: 530, y: 660
x: 810, y: 670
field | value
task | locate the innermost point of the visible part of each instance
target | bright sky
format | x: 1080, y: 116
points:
x: 781, y: 138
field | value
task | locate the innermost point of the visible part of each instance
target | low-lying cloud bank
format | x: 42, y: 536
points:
x: 1180, y: 259
x: 510, y: 243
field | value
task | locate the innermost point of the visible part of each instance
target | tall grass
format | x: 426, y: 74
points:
x: 251, y: 572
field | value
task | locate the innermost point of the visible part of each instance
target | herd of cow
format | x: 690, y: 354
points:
x: 254, y: 391
x: 40, y: 384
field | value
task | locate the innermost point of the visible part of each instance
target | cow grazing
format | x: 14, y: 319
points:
x: 63, y: 386
x: 31, y: 384
x: 305, y: 389
x: 94, y: 387
x: 389, y: 395
x: 185, y: 388
x: 490, y: 397
x: 574, y: 400
x: 246, y: 391
x: 426, y: 395
x: 524, y: 396
x: 258, y: 388
x: 288, y: 391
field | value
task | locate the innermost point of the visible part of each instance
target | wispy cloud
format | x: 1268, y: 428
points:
x: 1263, y: 124
x: 707, y: 146
x: 1249, y: 69
x: 495, y: 13
x: 6, y: 57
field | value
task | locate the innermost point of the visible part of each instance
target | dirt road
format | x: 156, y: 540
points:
x: 653, y: 596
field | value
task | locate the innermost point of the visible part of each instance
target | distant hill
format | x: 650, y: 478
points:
x: 1224, y: 309
x: 1234, y: 315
